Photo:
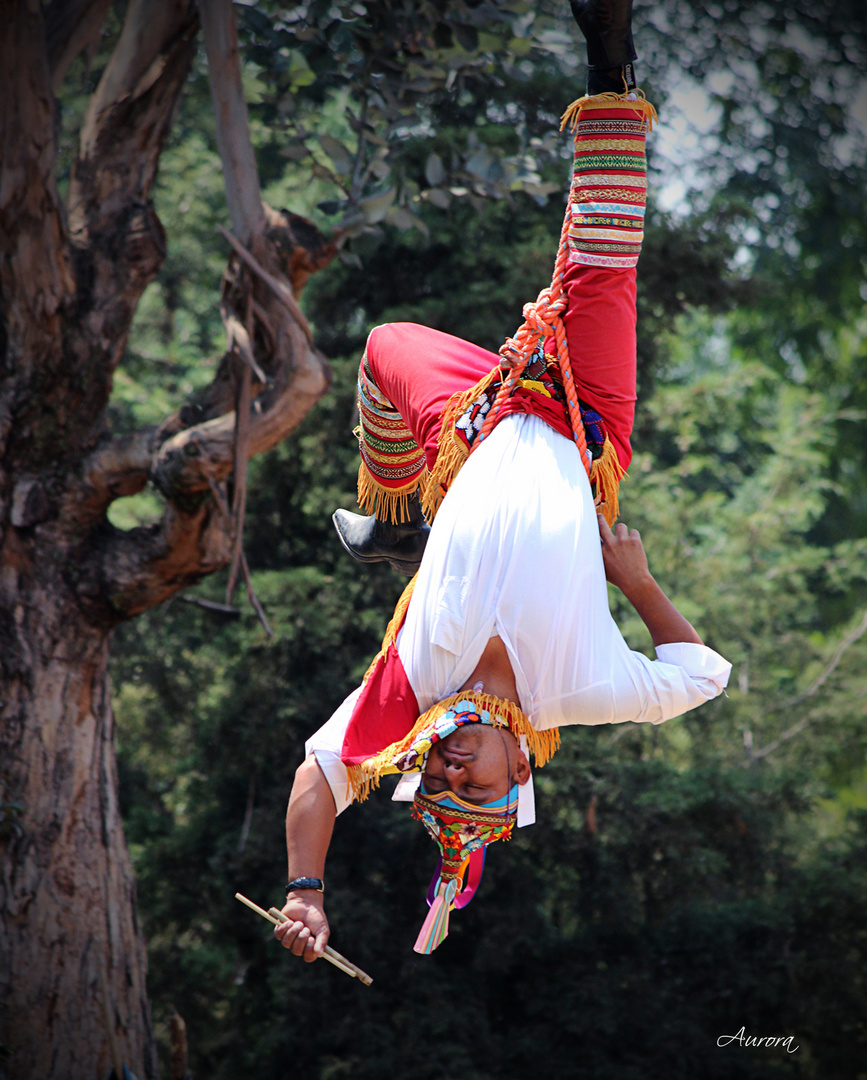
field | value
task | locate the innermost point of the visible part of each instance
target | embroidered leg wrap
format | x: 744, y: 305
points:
x: 609, y: 184
x: 392, y: 463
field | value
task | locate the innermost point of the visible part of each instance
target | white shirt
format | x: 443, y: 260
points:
x: 515, y: 552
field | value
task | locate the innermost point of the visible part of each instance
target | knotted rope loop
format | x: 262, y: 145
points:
x: 542, y: 319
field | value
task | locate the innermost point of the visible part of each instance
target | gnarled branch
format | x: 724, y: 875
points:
x: 200, y: 447
x: 127, y: 121
x: 121, y: 574
x: 186, y: 462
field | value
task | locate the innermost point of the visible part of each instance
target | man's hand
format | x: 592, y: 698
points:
x: 307, y: 933
x: 626, y: 567
x: 624, y: 557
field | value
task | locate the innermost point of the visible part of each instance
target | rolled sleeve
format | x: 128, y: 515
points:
x: 326, y: 744
x: 639, y: 690
x: 684, y: 676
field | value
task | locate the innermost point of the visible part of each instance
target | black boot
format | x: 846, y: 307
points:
x: 607, y: 29
x: 370, y: 540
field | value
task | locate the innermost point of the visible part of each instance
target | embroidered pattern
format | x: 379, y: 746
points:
x: 623, y: 146
x: 609, y: 176
x: 541, y: 376
x: 623, y: 194
x: 611, y: 126
x: 392, y: 462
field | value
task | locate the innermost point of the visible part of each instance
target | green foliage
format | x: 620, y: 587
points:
x: 686, y: 880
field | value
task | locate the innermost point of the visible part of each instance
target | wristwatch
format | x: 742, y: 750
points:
x: 305, y: 883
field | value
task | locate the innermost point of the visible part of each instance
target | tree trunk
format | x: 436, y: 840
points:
x: 72, y: 959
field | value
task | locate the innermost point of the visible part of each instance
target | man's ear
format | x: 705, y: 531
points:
x: 522, y: 768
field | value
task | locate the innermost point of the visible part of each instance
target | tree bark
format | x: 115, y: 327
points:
x: 72, y: 957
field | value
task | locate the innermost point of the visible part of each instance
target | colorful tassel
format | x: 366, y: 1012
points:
x: 435, y: 928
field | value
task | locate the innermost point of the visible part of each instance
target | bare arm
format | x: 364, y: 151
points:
x: 626, y: 567
x: 309, y: 825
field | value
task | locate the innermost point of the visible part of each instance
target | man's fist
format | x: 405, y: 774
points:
x: 306, y: 933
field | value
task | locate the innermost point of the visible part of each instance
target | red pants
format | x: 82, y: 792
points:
x: 418, y: 369
x: 410, y: 372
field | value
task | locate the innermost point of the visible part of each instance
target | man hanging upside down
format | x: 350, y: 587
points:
x: 504, y: 636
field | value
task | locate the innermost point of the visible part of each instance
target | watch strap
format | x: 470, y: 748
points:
x: 305, y: 883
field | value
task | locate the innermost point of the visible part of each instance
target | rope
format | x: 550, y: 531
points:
x: 542, y: 319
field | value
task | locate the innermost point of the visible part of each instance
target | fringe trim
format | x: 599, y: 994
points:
x: 606, y: 473
x: 365, y: 777
x: 638, y: 103
x: 389, y: 504
x: 395, y: 623
x: 452, y: 451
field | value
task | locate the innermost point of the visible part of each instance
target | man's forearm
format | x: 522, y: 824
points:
x: 659, y: 615
x: 309, y: 821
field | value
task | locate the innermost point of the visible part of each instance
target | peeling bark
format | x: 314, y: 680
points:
x: 72, y: 27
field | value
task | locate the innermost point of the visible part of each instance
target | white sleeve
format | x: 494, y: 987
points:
x: 684, y: 676
x: 634, y: 688
x: 326, y: 744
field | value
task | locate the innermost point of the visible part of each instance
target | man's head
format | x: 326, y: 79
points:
x: 477, y: 762
x: 471, y: 749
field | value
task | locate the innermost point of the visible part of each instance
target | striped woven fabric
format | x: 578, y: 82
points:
x: 392, y: 462
x: 609, y: 185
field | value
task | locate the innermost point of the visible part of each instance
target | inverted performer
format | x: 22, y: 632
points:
x: 504, y: 636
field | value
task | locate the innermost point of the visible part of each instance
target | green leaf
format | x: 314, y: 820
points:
x: 375, y: 207
x: 338, y: 153
x: 434, y: 170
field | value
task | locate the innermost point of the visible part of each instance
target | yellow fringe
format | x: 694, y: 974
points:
x: 639, y: 104
x: 606, y: 473
x: 389, y: 504
x: 394, y: 625
x: 451, y: 449
x: 543, y: 745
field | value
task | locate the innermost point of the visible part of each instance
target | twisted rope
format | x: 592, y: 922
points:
x: 542, y: 319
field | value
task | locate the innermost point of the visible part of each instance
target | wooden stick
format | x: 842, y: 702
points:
x: 253, y: 598
x: 277, y: 917
x: 331, y: 955
x: 209, y: 605
x: 238, y: 338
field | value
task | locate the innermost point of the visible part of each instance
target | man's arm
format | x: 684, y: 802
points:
x: 309, y: 825
x: 626, y: 567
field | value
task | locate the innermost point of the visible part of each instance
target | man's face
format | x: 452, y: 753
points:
x: 477, y: 762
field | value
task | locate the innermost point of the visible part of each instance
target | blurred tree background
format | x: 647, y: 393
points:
x: 682, y: 882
